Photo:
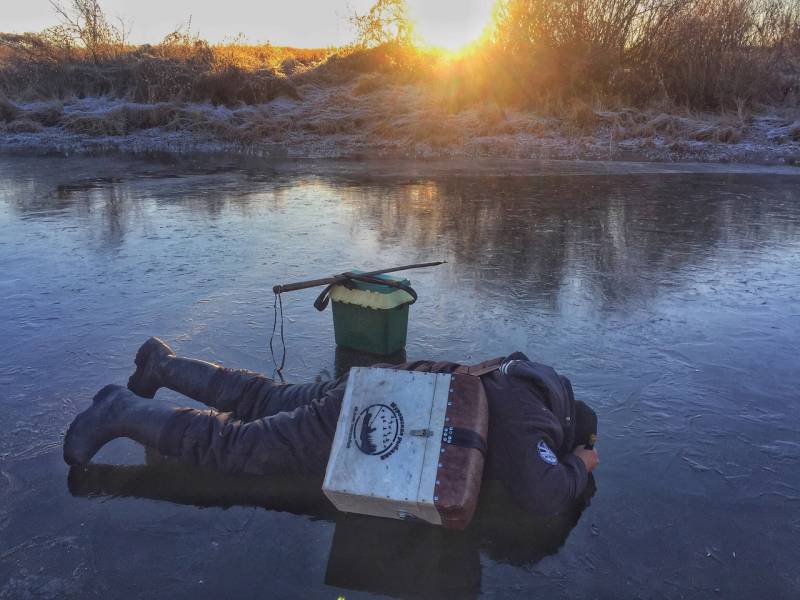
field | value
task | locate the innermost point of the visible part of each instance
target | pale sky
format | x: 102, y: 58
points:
x: 303, y: 23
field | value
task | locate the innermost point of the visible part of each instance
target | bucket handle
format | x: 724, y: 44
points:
x: 347, y: 278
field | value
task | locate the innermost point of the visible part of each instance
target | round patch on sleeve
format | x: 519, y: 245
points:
x: 546, y: 454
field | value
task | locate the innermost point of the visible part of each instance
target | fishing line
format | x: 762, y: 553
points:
x: 277, y: 306
x: 345, y: 279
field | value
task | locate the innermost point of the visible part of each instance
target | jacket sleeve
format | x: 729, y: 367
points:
x: 530, y: 408
x: 543, y: 484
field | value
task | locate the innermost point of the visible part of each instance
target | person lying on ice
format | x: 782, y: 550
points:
x: 537, y: 430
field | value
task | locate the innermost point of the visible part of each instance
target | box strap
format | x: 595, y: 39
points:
x: 464, y: 438
x: 481, y: 369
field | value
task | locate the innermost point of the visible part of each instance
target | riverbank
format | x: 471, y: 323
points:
x: 366, y: 118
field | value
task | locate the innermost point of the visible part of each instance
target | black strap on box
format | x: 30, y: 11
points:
x: 464, y: 438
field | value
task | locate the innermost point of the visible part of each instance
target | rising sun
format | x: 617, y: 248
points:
x: 450, y: 24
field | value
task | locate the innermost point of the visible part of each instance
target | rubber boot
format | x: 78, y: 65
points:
x: 157, y: 367
x: 248, y: 395
x: 146, y: 380
x: 115, y: 412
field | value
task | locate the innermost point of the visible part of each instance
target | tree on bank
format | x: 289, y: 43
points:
x: 386, y: 22
x: 84, y: 24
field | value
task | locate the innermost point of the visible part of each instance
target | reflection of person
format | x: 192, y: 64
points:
x: 537, y: 430
x: 387, y: 557
x: 380, y: 556
x: 171, y: 481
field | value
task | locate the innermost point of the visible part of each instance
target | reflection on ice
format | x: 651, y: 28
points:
x: 668, y: 294
x: 369, y: 554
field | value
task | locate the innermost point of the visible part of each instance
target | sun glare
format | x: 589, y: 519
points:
x: 450, y: 24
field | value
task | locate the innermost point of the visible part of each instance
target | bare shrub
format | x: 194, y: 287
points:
x: 330, y: 126
x: 566, y: 48
x: 560, y: 57
x: 386, y: 22
x: 221, y: 129
x: 718, y: 134
x: 666, y: 124
x: 48, y: 115
x: 122, y: 121
x: 134, y: 117
x: 580, y: 115
x: 87, y: 56
x: 8, y: 111
x: 704, y: 53
x: 23, y: 125
x: 400, y: 63
x: 203, y: 123
x: 30, y: 47
x: 716, y: 53
x: 236, y: 53
x: 433, y: 128
x: 531, y: 126
x: 233, y: 85
x: 491, y: 115
x: 84, y: 24
x: 94, y: 124
x: 369, y: 83
x: 147, y: 75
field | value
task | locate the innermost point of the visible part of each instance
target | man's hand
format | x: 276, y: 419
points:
x: 589, y: 457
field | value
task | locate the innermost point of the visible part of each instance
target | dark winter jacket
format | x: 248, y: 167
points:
x: 532, y: 432
x: 532, y: 429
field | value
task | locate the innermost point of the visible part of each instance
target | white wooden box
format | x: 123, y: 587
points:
x: 393, y: 454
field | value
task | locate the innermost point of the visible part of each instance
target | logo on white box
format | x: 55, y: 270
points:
x: 378, y: 430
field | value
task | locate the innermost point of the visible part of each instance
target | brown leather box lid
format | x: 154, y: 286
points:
x: 461, y: 469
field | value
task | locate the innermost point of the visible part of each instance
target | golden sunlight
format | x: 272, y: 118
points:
x: 450, y: 24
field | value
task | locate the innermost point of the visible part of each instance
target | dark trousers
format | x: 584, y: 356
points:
x: 257, y: 426
x: 260, y: 427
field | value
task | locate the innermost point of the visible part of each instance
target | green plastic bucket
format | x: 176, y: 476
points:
x: 371, y: 317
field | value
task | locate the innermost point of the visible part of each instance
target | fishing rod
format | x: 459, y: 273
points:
x: 341, y: 277
x: 322, y: 301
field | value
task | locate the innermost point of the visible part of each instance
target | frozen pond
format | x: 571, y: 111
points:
x: 669, y: 295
